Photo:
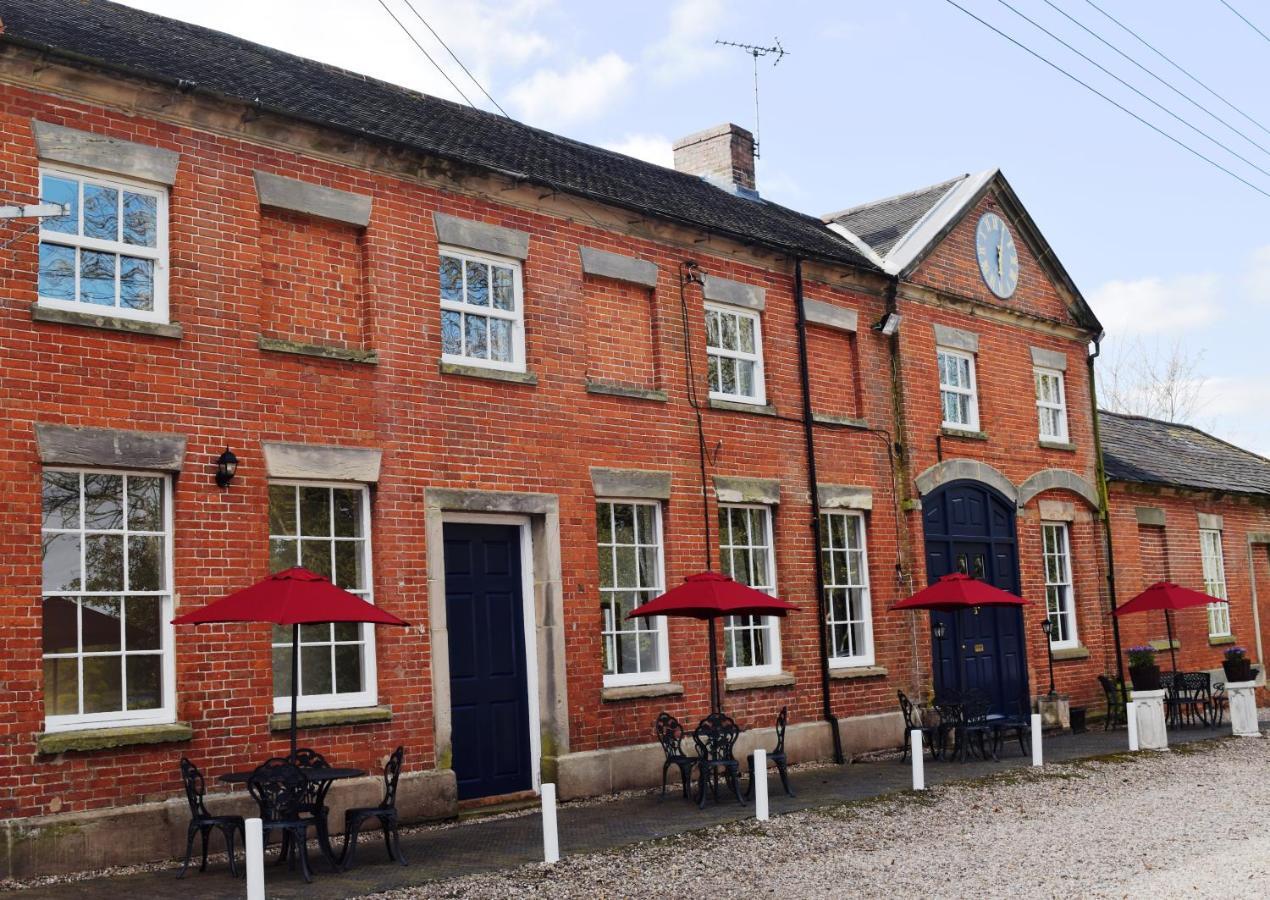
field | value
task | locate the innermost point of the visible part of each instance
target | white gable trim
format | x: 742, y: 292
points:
x: 929, y: 227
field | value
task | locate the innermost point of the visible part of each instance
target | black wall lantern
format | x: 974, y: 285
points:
x: 226, y: 468
x: 939, y: 629
x: 1048, y: 627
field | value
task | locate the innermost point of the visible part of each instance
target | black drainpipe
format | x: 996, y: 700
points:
x: 1104, y: 511
x: 809, y: 438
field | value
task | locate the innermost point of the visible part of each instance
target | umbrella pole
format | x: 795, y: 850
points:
x: 714, y: 668
x: 295, y: 680
x: 1168, y: 624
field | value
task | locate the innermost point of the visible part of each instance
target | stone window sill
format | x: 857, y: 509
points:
x: 754, y: 682
x: 1163, y: 644
x: 758, y: 409
x: 843, y: 421
x: 320, y: 718
x: 962, y: 434
x: 1063, y: 653
x: 630, y: 391
x: 107, y: 323
x: 1057, y: 445
x: 449, y: 368
x: 638, y: 691
x: 859, y: 672
x: 1220, y: 640
x: 321, y: 351
x: 110, y: 738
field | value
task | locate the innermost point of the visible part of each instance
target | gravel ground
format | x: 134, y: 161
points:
x: 1189, y: 823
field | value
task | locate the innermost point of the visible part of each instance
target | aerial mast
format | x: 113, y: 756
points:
x: 756, y: 51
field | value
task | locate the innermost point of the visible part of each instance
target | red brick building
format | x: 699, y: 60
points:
x: 471, y: 371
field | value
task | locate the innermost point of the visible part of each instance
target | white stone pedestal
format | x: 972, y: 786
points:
x: 1149, y: 705
x: 1054, y: 710
x: 1243, y: 708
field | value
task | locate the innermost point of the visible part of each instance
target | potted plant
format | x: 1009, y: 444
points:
x: 1143, y: 671
x: 1237, y: 665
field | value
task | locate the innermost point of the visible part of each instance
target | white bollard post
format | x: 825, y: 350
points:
x: 255, y: 860
x: 919, y: 761
x: 1036, y: 739
x: 759, y: 776
x: 1131, y: 717
x: 550, y: 838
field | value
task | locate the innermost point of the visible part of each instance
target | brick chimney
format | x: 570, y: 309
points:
x: 723, y: 155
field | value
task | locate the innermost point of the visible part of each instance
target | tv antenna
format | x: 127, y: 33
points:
x: 757, y: 52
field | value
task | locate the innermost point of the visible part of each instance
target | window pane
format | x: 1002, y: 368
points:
x: 103, y: 562
x: 606, y: 568
x: 504, y: 289
x: 282, y: 671
x: 451, y: 333
x: 60, y: 625
x: 61, y: 687
x: 348, y: 513
x: 145, y: 503
x: 97, y: 277
x: 101, y: 212
x: 61, y: 562
x: 727, y: 331
x: 315, y: 511
x: 624, y: 523
x: 54, y: 189
x: 142, y: 623
x: 282, y: 509
x: 477, y: 283
x: 648, y: 567
x: 727, y: 375
x: 451, y: 279
x: 346, y: 631
x: 103, y: 501
x: 315, y: 669
x: 57, y: 272
x: 712, y: 328
x: 477, y: 334
x: 348, y: 669
x: 745, y: 378
x: 103, y: 684
x: 500, y: 340
x: 645, y: 533
x: 746, y: 334
x: 136, y: 283
x: 316, y: 557
x: 712, y: 373
x: 647, y: 651
x: 145, y: 563
x: 140, y: 219
x: 348, y: 565
x: 145, y: 681
x: 282, y: 555
x: 101, y: 620
x: 625, y: 573
x: 61, y: 500
x: 604, y: 523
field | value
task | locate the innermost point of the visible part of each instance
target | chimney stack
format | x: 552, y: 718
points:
x: 723, y: 155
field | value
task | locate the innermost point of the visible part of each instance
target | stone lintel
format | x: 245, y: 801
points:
x: 618, y: 267
x: 830, y: 316
x: 734, y: 293
x: 1048, y: 359
x: 1259, y: 537
x: 640, y: 484
x: 1149, y: 515
x: 469, y: 235
x: 66, y: 445
x: 463, y: 500
x: 956, y: 339
x: 844, y: 496
x: 1209, y: 520
x: 313, y: 199
x: 1057, y: 511
x: 319, y: 462
x: 730, y: 489
x: 57, y: 143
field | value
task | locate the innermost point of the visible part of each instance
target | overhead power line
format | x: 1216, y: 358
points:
x: 1124, y: 109
x: 435, y: 65
x: 465, y: 69
x: 1246, y: 21
x: 1158, y: 105
x: 1143, y: 41
x: 1187, y: 97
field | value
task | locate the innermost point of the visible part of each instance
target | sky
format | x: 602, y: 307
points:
x: 874, y: 99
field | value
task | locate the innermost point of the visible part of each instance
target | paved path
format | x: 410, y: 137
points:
x: 493, y: 844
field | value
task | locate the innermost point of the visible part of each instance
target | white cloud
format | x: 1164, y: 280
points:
x: 1257, y: 280
x: 653, y: 148
x: 590, y: 86
x: 1234, y: 408
x: 688, y: 48
x: 1154, y: 305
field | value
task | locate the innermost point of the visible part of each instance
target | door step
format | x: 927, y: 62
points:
x: 480, y: 807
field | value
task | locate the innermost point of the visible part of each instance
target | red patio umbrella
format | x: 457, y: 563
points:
x: 292, y: 597
x: 959, y: 591
x: 709, y: 595
x: 1167, y: 596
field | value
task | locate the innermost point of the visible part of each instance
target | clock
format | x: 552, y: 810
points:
x: 998, y: 259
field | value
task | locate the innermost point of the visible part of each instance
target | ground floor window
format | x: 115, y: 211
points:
x: 628, y: 538
x: 1060, y: 602
x: 844, y: 565
x: 1214, y: 581
x: 326, y: 529
x: 751, y: 643
x: 106, y: 542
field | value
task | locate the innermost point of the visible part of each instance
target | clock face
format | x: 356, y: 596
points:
x: 998, y: 259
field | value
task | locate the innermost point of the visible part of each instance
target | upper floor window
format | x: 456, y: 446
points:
x: 326, y: 529
x: 844, y: 562
x: 1214, y: 581
x: 109, y: 253
x: 106, y: 539
x: 1060, y: 602
x: 1051, y: 404
x: 958, y: 395
x: 482, y: 311
x: 734, y: 354
x: 751, y: 643
x: 629, y: 542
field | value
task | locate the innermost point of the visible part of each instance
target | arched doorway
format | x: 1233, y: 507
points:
x: 970, y: 527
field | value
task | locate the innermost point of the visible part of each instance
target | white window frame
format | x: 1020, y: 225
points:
x: 165, y: 714
x: 157, y: 254
x: 369, y: 695
x: 759, y: 398
x: 1060, y: 407
x: 972, y: 407
x: 516, y: 316
x: 657, y: 624
x: 869, y: 655
x: 732, y: 626
x: 1214, y: 566
x: 1062, y: 589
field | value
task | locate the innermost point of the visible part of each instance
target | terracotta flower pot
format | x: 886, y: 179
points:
x: 1145, y: 678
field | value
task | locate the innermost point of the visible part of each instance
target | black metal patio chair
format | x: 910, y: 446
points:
x: 1221, y: 703
x: 202, y: 821
x: 930, y: 731
x: 1115, y: 703
x: 670, y: 734
x: 975, y: 726
x: 385, y: 812
x: 281, y: 790
x: 716, y: 737
x: 775, y: 757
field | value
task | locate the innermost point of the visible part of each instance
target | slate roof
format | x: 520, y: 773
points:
x: 168, y: 50
x: 881, y: 223
x: 1149, y: 451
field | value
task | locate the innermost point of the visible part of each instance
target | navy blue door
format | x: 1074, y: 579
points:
x: 970, y: 528
x: 489, y: 705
